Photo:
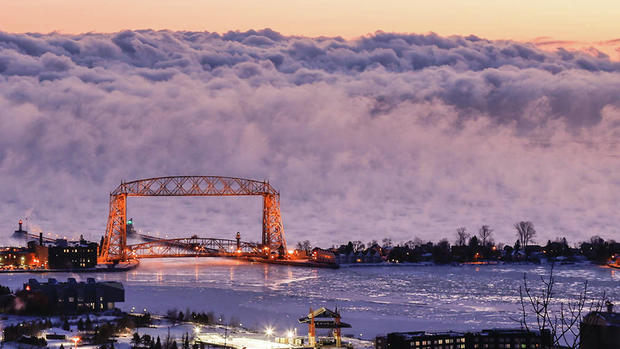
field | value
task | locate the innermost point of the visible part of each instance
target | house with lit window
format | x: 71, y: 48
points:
x: 422, y: 339
x: 72, y: 296
x: 63, y: 254
x: 485, y: 339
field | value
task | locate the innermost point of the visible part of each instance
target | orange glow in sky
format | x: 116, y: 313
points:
x: 581, y: 20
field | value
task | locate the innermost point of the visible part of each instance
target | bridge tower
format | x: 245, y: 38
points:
x: 114, y: 246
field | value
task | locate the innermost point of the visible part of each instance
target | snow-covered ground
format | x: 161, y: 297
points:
x: 213, y: 334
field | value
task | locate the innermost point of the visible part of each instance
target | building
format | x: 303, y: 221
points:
x: 64, y: 254
x: 22, y: 257
x: 59, y: 254
x: 45, y: 253
x: 322, y: 256
x: 73, y: 296
x: 485, y: 339
x: 421, y: 339
x: 508, y: 338
x: 369, y: 256
x: 600, y: 330
x: 17, y: 257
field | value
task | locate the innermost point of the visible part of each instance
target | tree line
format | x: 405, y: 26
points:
x: 480, y: 246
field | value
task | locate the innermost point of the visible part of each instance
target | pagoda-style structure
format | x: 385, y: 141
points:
x: 323, y: 318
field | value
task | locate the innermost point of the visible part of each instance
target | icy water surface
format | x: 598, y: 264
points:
x: 373, y: 300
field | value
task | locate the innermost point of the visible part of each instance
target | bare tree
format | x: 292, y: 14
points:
x: 410, y: 244
x: 387, y: 242
x: 461, y: 236
x: 304, y: 246
x: 561, y: 319
x: 484, y: 233
x: 418, y: 242
x: 372, y: 244
x: 358, y: 246
x: 525, y: 232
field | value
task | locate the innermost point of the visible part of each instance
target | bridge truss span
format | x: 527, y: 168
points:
x: 195, y: 186
x: 192, y: 247
x: 114, y: 246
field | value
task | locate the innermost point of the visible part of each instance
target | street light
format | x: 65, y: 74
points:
x: 269, y: 332
x: 289, y: 334
x: 75, y: 341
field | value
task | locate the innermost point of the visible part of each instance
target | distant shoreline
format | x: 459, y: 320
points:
x: 457, y: 264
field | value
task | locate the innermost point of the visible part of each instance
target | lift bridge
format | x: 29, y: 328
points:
x: 114, y: 247
x: 193, y: 247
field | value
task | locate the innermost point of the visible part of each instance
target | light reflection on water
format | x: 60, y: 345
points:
x: 373, y: 299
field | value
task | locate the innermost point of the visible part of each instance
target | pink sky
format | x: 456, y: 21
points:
x: 579, y: 20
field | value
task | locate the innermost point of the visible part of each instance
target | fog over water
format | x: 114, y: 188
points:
x: 396, y: 135
x: 373, y: 300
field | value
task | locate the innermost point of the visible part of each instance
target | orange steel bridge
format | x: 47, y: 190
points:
x: 193, y: 247
x: 115, y: 249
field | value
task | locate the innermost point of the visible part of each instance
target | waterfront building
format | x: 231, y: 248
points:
x: 323, y: 256
x: 45, y: 253
x: 485, y: 339
x: 600, y: 330
x: 508, y: 338
x: 72, y: 296
x: 16, y: 257
x: 421, y: 339
x: 60, y: 254
x: 64, y: 254
x: 22, y: 257
x: 369, y: 256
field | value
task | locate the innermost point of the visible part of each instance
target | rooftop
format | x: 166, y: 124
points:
x: 609, y: 318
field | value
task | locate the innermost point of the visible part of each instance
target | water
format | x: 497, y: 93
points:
x: 373, y: 300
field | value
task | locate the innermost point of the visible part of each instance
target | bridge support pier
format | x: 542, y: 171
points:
x: 115, y: 241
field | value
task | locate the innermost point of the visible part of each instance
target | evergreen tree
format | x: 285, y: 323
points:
x: 136, y: 339
x: 186, y: 342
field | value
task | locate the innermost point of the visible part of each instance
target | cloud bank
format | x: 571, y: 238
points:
x: 389, y: 135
